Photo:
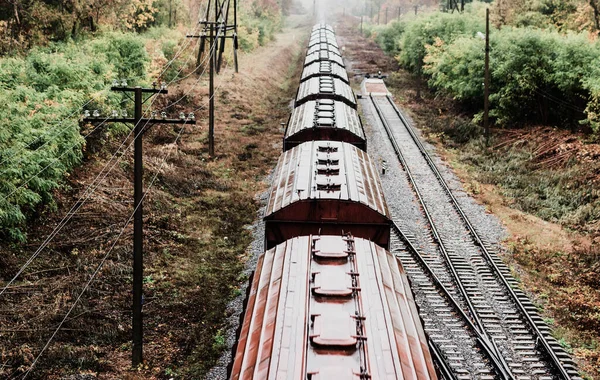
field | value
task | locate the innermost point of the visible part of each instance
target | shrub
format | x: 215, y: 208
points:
x: 42, y: 93
x: 536, y: 75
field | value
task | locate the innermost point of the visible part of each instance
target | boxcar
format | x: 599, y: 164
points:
x: 323, y: 55
x: 324, y: 119
x: 331, y: 307
x: 325, y: 27
x: 326, y: 187
x: 324, y: 68
x: 323, y: 37
x: 323, y: 46
x: 325, y: 87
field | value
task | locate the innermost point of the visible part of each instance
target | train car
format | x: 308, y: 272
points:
x: 325, y: 27
x: 323, y: 37
x: 324, y: 119
x: 326, y: 187
x: 331, y: 307
x: 323, y: 46
x: 323, y: 55
x: 325, y: 87
x: 324, y: 68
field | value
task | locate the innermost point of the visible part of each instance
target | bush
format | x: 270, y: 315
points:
x: 261, y: 22
x: 41, y: 96
x: 537, y: 76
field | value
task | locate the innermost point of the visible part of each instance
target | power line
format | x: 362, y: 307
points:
x: 99, y: 267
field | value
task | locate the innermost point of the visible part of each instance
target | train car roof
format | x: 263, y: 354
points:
x: 326, y: 170
x: 322, y: 68
x: 323, y: 46
x: 331, y: 307
x: 325, y: 87
x: 325, y: 114
x: 323, y: 55
x: 322, y: 27
x: 319, y: 38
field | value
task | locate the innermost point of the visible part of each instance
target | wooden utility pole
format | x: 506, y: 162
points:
x: 386, y: 15
x: 453, y: 5
x: 215, y: 31
x: 211, y: 94
x: 399, y: 12
x: 486, y: 91
x: 139, y: 123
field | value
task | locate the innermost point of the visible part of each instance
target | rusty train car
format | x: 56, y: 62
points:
x: 327, y: 300
x: 324, y: 119
x: 331, y: 307
x: 326, y: 187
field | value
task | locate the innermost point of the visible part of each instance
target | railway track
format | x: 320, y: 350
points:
x: 474, y: 313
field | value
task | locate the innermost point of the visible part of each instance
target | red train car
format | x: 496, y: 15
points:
x: 326, y: 187
x: 324, y: 119
x: 331, y: 307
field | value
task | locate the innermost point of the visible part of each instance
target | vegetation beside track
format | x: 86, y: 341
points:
x: 546, y: 76
x: 47, y: 84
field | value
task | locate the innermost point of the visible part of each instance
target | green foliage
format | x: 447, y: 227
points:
x: 387, y: 37
x: 592, y: 83
x: 260, y: 23
x: 537, y: 76
x: 41, y: 98
x: 125, y: 52
x: 424, y: 30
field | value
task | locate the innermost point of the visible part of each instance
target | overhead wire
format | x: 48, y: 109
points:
x: 107, y: 255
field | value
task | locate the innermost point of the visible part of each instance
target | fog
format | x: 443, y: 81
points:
x: 326, y: 9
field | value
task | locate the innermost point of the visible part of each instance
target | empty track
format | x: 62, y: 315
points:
x: 474, y: 313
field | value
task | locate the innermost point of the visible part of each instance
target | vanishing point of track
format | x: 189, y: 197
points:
x: 476, y: 317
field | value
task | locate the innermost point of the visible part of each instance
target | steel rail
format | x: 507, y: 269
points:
x: 488, y: 256
x: 474, y: 321
x: 440, y: 359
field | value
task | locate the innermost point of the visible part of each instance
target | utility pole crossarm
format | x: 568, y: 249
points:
x: 96, y: 120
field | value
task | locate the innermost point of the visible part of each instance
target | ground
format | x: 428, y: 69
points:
x: 196, y: 217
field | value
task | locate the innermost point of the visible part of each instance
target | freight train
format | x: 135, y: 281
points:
x: 327, y: 299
